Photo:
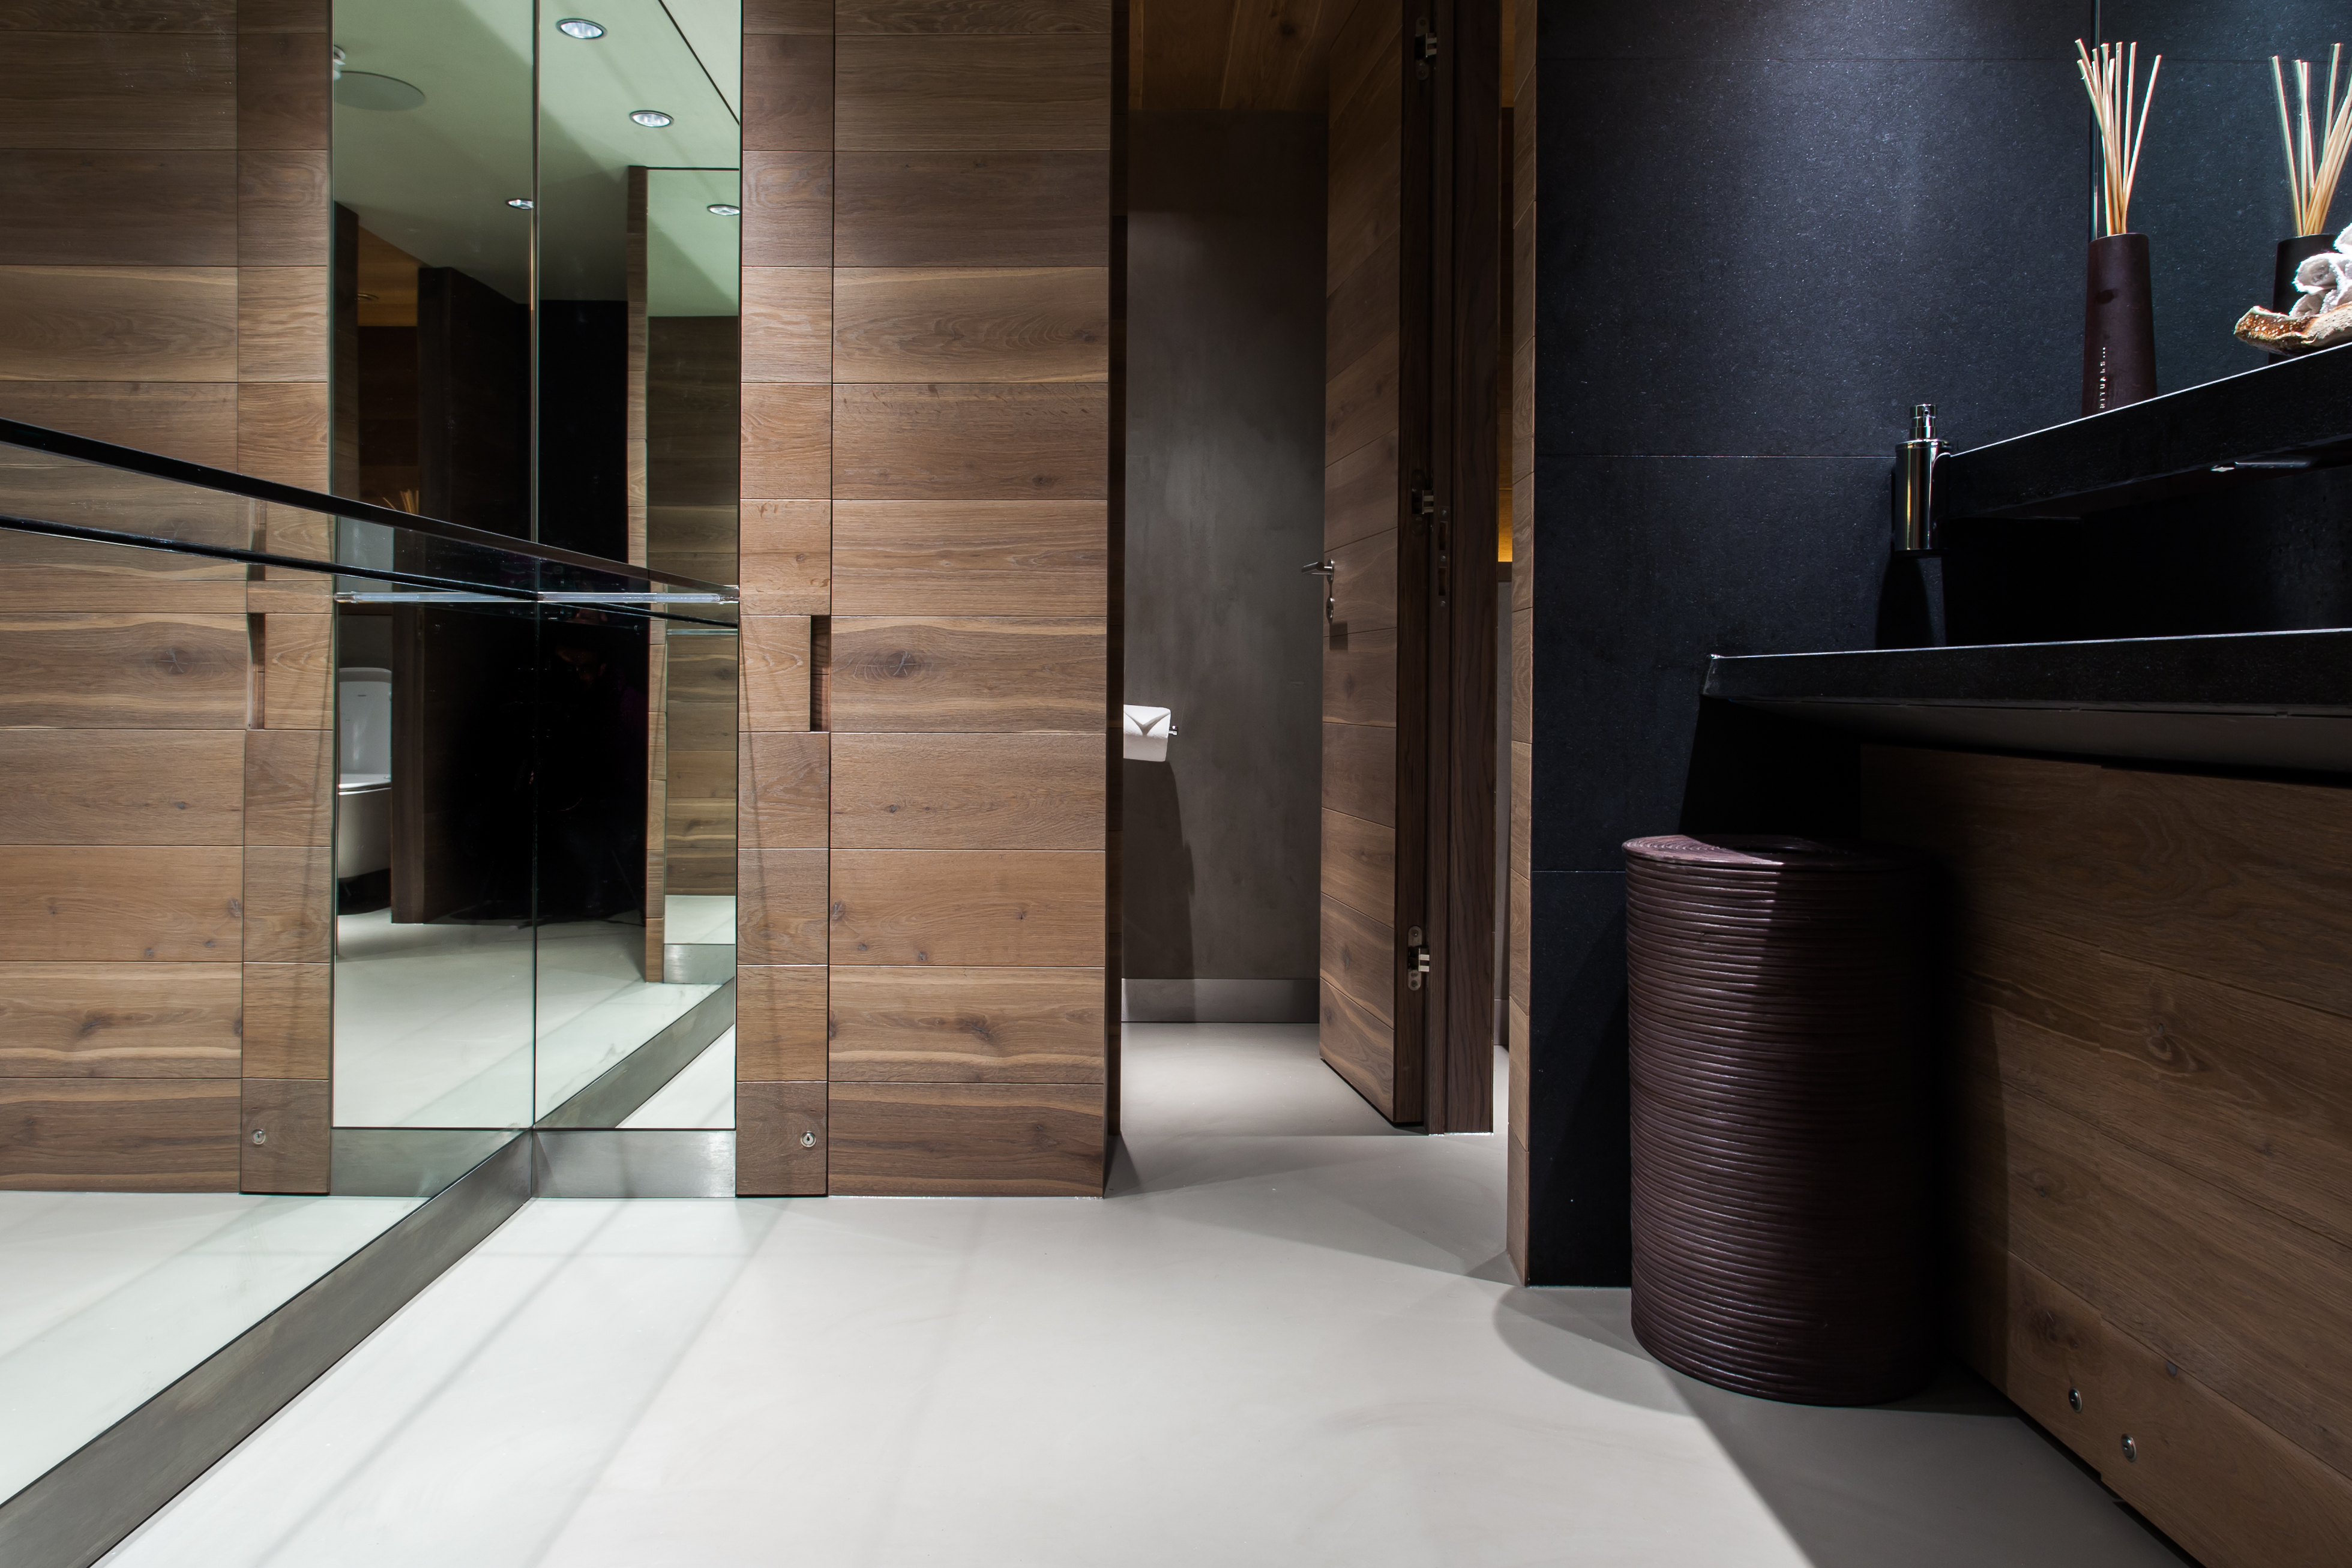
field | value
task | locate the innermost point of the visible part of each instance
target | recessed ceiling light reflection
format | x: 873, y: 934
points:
x: 580, y: 27
x: 725, y: 211
x: 652, y: 116
x: 524, y: 203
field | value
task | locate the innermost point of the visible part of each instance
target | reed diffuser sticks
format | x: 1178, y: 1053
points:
x: 2311, y: 176
x: 2120, y: 107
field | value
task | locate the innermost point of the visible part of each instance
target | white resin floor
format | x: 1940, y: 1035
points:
x: 702, y: 1095
x: 107, y: 1297
x: 1289, y: 1338
x: 434, y: 1023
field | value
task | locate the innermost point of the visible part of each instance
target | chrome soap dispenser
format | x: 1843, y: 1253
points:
x: 1915, y: 484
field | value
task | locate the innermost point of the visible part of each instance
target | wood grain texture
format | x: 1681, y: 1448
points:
x: 283, y: 211
x: 1359, y: 861
x: 788, y: 15
x: 1365, y: 213
x: 1359, y: 494
x: 118, y: 323
x: 282, y: 15
x: 787, y: 440
x: 289, y: 788
x: 1522, y: 954
x: 968, y: 791
x: 973, y: 209
x: 775, y: 672
x: 966, y: 1026
x: 1003, y: 1140
x: 283, y: 433
x: 1362, y: 309
x: 298, y: 674
x: 786, y: 788
x: 787, y: 92
x: 779, y: 906
x: 138, y: 90
x: 193, y: 421
x: 1215, y: 54
x: 772, y: 1119
x: 38, y: 571
x: 972, y: 324
x: 93, y: 902
x: 971, y: 443
x: 291, y: 1116
x: 122, y: 787
x: 1360, y: 771
x: 1359, y: 1046
x: 1359, y: 402
x: 1359, y: 957
x: 77, y: 207
x: 1177, y: 51
x: 970, y: 557
x: 122, y: 16
x: 788, y: 324
x: 1523, y: 670
x: 281, y: 324
x: 779, y: 1021
x: 957, y: 907
x: 972, y: 16
x: 919, y: 94
x: 1359, y: 677
x: 119, y: 1135
x: 899, y: 673
x: 2211, y: 1477
x: 787, y: 209
x: 289, y: 904
x: 282, y: 79
x: 787, y: 558
x: 119, y: 1020
x: 288, y: 1019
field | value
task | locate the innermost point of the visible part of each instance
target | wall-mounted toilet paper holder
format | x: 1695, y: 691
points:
x: 1147, y: 731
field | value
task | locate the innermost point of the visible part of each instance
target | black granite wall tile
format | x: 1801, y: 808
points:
x: 1579, y: 1174
x: 1820, y: 30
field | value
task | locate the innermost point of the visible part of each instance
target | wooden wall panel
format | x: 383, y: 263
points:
x: 119, y: 1135
x: 1359, y: 861
x: 122, y: 787
x: 118, y: 1020
x: 284, y: 1138
x: 968, y: 791
x: 1005, y: 1140
x: 927, y: 559
x: 121, y: 904
x: 1520, y: 475
x: 971, y: 673
x: 966, y: 1026
x: 2149, y: 1116
x: 968, y: 907
x: 970, y: 557
x: 80, y: 671
x: 288, y: 1021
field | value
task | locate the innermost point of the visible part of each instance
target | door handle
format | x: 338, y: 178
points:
x: 1328, y: 570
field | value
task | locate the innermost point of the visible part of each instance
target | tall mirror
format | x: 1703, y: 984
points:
x: 536, y: 335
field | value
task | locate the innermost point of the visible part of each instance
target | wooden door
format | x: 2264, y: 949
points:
x: 1407, y: 961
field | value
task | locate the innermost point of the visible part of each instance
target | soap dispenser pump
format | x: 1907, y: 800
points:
x: 1915, y: 484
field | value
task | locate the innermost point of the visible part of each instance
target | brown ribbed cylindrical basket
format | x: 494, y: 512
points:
x: 1783, y: 1210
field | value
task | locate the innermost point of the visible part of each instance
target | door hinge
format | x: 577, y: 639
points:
x: 1424, y: 47
x: 1416, y: 959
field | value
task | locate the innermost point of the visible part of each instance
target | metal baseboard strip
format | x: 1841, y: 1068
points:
x: 77, y: 1512
x: 640, y: 1076
x: 637, y: 1162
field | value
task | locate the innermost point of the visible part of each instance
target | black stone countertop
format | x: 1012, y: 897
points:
x: 2290, y: 416
x: 2268, y: 699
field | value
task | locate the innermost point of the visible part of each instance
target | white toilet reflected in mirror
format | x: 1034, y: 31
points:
x: 363, y: 772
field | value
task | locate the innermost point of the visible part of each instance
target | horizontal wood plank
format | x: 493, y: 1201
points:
x: 118, y: 323
x: 780, y: 903
x: 1361, y: 493
x: 786, y: 559
x: 285, y: 1137
x: 1000, y: 1140
x: 119, y: 1135
x: 983, y: 94
x: 288, y: 1019
x: 965, y: 907
x: 776, y: 672
x: 1359, y: 402
x: 283, y: 210
x: 900, y: 672
x: 298, y: 678
x: 787, y: 208
x: 289, y: 788
x: 971, y: 16
x: 1364, y: 585
x: 966, y: 1026
x: 972, y: 443
x: 145, y: 91
x: 1359, y: 957
x: 787, y: 440
x: 131, y: 671
x: 1360, y: 771
x: 970, y: 557
x: 787, y: 785
x: 1359, y: 677
x: 80, y: 207
x: 788, y: 324
x: 963, y: 791
x: 973, y: 209
x: 123, y: 787
x: 1359, y: 866
x: 780, y: 1139
x: 119, y: 1020
x: 1358, y: 1046
x: 169, y: 904
x: 972, y: 324
x: 779, y: 1021
x: 289, y: 904
x: 787, y: 92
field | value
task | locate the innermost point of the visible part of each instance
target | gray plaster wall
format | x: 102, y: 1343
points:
x: 1224, y: 503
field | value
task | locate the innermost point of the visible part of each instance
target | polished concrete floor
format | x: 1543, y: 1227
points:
x: 1289, y: 1337
x: 107, y: 1297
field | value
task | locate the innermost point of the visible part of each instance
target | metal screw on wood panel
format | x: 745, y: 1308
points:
x: 2075, y: 1400
x: 260, y: 1135
x: 2131, y: 1449
x: 808, y: 1140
